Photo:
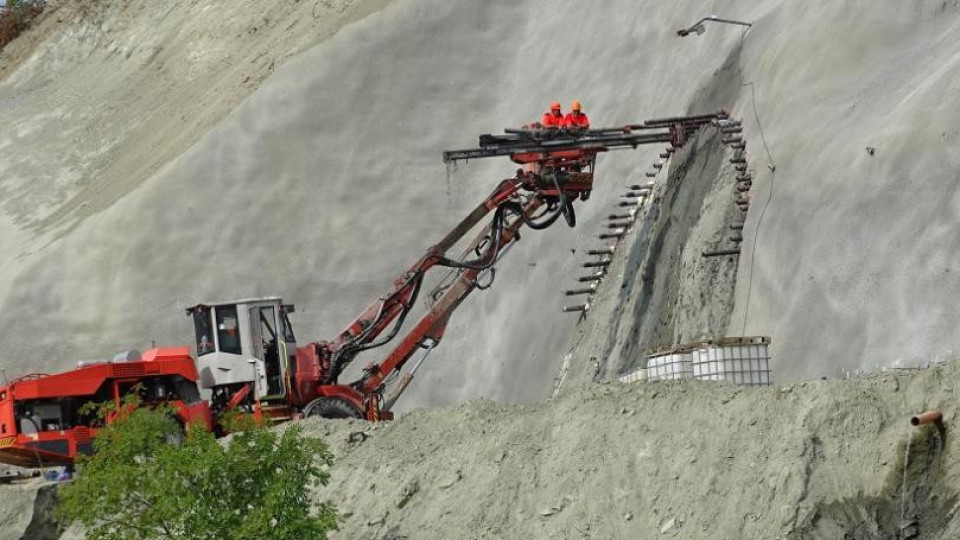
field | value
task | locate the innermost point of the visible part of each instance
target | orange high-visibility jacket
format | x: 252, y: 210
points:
x: 552, y: 120
x: 576, y: 121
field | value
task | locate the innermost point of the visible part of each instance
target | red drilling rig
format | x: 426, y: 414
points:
x: 247, y: 355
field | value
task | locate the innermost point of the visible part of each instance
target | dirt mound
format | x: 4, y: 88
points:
x: 820, y: 459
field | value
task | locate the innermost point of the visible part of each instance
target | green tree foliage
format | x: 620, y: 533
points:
x: 139, y: 486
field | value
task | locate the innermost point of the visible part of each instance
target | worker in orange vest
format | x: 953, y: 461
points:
x: 553, y: 118
x: 576, y: 119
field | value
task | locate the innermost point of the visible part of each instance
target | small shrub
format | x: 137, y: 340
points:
x: 138, y: 486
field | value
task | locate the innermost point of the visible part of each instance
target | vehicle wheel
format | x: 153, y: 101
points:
x: 331, y: 407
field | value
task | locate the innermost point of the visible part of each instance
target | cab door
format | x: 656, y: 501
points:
x: 267, y: 344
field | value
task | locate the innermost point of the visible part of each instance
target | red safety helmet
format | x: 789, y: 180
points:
x: 555, y: 106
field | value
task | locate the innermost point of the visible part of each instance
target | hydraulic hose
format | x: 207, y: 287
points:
x: 346, y: 353
x: 565, y: 207
x: 496, y: 232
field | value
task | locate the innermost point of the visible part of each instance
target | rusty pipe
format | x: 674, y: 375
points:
x: 605, y: 251
x: 927, y: 417
x: 651, y: 174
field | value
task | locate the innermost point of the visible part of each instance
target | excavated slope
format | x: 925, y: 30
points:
x: 820, y: 459
x: 679, y: 459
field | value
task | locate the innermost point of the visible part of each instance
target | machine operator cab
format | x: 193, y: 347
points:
x: 245, y: 341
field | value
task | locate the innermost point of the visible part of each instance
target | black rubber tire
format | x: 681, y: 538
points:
x: 331, y: 407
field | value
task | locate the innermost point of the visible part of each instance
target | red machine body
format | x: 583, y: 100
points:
x: 40, y: 419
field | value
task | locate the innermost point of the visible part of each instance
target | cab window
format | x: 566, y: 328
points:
x: 286, y: 328
x: 228, y: 331
x: 203, y: 326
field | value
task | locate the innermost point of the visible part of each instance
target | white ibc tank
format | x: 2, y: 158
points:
x: 677, y: 364
x: 744, y: 361
x: 634, y: 376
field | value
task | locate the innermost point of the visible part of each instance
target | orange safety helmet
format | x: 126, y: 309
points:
x: 555, y: 106
x: 575, y: 105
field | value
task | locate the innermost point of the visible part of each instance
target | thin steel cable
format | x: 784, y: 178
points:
x: 773, y: 177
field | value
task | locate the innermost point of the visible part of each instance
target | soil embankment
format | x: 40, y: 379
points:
x: 819, y: 459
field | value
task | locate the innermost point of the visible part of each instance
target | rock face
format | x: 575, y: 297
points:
x: 681, y: 459
x: 27, y: 512
x: 659, y: 290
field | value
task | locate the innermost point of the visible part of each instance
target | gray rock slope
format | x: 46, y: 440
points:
x: 326, y: 182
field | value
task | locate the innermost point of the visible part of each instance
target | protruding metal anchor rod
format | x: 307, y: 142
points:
x: 927, y: 417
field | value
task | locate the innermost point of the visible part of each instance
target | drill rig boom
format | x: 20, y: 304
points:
x: 557, y: 170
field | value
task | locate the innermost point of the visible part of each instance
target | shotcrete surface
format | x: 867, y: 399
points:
x: 127, y: 196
